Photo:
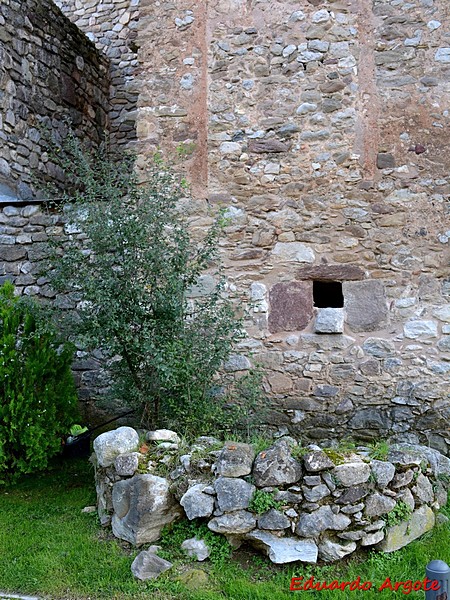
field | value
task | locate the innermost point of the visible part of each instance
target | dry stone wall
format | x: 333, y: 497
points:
x: 48, y: 70
x: 292, y: 503
x: 112, y: 26
x: 322, y: 129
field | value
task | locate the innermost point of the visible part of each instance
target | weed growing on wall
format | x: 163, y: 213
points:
x: 262, y: 501
x: 401, y: 512
x: 38, y: 402
x: 133, y: 275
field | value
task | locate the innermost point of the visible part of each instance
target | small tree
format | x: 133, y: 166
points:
x: 133, y: 275
x: 38, y: 401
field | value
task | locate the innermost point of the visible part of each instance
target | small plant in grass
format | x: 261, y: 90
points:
x: 400, y: 513
x: 262, y: 501
x: 38, y: 401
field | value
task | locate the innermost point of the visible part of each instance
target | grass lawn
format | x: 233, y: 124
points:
x: 50, y: 548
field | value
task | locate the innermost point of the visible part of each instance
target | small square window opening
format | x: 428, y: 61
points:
x: 328, y: 294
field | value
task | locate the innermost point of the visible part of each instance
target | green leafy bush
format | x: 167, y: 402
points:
x: 38, y: 401
x: 138, y: 275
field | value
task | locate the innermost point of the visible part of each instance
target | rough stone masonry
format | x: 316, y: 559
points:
x: 322, y: 128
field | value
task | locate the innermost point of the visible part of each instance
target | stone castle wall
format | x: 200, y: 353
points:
x: 112, y: 26
x: 48, y: 70
x: 322, y: 128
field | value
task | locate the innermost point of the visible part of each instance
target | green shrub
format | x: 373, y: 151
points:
x: 38, y: 402
x: 138, y: 275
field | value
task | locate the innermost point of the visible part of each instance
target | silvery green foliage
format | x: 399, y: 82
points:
x: 132, y: 275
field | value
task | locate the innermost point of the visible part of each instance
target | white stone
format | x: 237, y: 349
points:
x: 147, y: 565
x: 420, y: 329
x: 288, y: 50
x: 112, y: 443
x: 339, y: 49
x: 234, y: 214
x: 298, y: 15
x: 125, y: 18
x: 273, y: 168
x: 258, y: 291
x: 306, y: 107
x: 443, y: 313
x: 318, y: 45
x: 187, y: 81
x: 321, y: 16
x: 162, y: 435
x: 405, y: 302
x: 196, y: 503
x: 329, y: 320
x: 347, y: 62
x: 350, y: 474
x: 293, y: 252
x: 196, y: 549
x: 432, y: 25
x: 330, y: 551
x: 442, y: 55
x: 230, y: 147
x: 308, y: 56
x: 284, y: 550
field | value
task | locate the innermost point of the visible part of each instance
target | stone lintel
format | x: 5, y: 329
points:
x: 331, y: 273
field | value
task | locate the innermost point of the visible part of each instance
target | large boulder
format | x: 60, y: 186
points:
x: 142, y: 506
x: 276, y: 466
x: 112, y: 443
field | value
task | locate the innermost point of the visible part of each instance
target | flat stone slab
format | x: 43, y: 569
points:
x: 421, y: 521
x: 284, y: 550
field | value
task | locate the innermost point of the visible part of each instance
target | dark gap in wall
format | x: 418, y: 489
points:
x: 328, y: 294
